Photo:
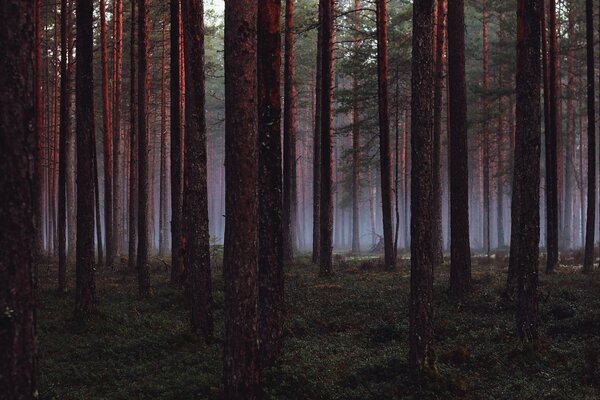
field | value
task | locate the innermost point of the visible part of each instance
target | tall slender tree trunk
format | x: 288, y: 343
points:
x: 38, y: 180
x: 133, y: 144
x: 116, y: 128
x: 94, y: 156
x: 384, y: 135
x: 590, y: 228
x: 143, y: 147
x: 317, y: 152
x: 460, y: 263
x: 176, y: 148
x: 270, y: 234
x: 500, y: 160
x: 569, y: 139
x: 196, y: 244
x: 164, y: 156
x: 420, y: 335
x: 551, y: 146
x: 527, y: 172
x: 107, y: 127
x: 71, y: 144
x: 355, y: 144
x: 17, y: 201
x: 241, y: 252
x: 62, y: 158
x: 326, y: 218
x: 289, y: 138
x: 486, y: 136
x: 440, y: 29
x: 85, y: 288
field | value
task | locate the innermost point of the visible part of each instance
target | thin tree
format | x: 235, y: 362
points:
x: 525, y: 216
x: 133, y: 144
x: 356, y: 143
x: 460, y: 261
x: 65, y: 120
x: 420, y: 336
x: 85, y: 287
x: 38, y: 180
x: 196, y: 245
x: 107, y: 127
x: 289, y: 137
x: 384, y: 135
x: 143, y: 191
x: 552, y: 135
x: 118, y: 144
x: 163, y: 229
x: 588, y: 260
x: 17, y: 202
x: 176, y: 138
x: 486, y: 135
x: 240, y: 259
x: 317, y: 145
x: 326, y: 209
x: 440, y: 29
x: 270, y: 234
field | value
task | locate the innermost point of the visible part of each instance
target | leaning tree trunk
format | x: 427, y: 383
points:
x: 460, y: 262
x: 176, y: 153
x: 240, y: 259
x: 17, y: 202
x: 420, y: 335
x: 85, y: 288
x: 588, y: 261
x: 526, y: 220
x: 326, y: 217
x: 384, y: 135
x: 270, y: 234
x: 196, y: 240
x: 143, y: 146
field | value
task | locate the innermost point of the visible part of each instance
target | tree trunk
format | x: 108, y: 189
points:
x: 317, y: 152
x: 85, y: 289
x: 71, y: 144
x: 551, y: 147
x: 240, y: 259
x: 270, y: 234
x: 527, y: 173
x: 133, y: 144
x: 588, y: 262
x: 62, y: 158
x: 118, y: 144
x: 196, y: 244
x: 94, y: 156
x: 355, y: 145
x: 108, y: 184
x: 440, y: 28
x: 384, y: 135
x: 38, y: 180
x: 420, y: 336
x: 486, y: 136
x: 460, y: 263
x: 289, y: 138
x: 176, y: 151
x: 17, y: 202
x: 326, y: 217
x: 164, y: 156
x: 143, y: 147
x: 569, y: 159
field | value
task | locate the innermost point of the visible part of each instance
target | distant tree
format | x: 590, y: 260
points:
x: 326, y: 209
x: 143, y: 191
x: 526, y: 195
x: 240, y: 259
x: 384, y: 134
x: 270, y: 234
x: 420, y: 336
x: 289, y: 137
x: 85, y: 287
x: 588, y: 261
x: 17, y: 201
x: 176, y: 151
x: 196, y: 240
x: 460, y: 262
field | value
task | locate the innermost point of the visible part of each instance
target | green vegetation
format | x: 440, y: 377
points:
x: 346, y: 338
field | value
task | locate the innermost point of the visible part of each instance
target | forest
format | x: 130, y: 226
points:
x: 299, y: 199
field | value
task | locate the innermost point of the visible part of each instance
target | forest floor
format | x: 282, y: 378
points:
x: 346, y: 338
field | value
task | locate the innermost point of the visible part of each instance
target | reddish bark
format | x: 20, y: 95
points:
x: 133, y: 144
x: 317, y: 146
x: 588, y: 262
